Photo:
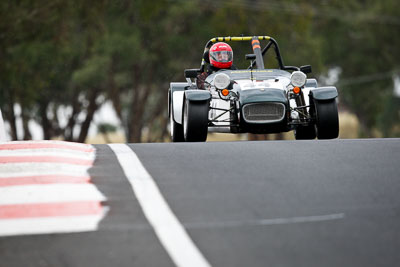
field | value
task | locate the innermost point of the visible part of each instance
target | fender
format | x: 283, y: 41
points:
x: 324, y: 93
x: 311, y: 83
x: 175, y: 104
x: 197, y: 95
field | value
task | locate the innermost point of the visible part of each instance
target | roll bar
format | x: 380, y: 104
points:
x: 249, y: 38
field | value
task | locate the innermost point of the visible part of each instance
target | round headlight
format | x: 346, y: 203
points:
x: 221, y: 81
x: 298, y: 79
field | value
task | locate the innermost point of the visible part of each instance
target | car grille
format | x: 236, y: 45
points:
x: 263, y: 112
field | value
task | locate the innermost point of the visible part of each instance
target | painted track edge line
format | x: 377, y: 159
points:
x: 167, y: 227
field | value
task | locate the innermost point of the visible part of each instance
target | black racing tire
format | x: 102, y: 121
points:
x: 305, y: 132
x: 327, y: 119
x: 195, y: 120
x: 176, y: 130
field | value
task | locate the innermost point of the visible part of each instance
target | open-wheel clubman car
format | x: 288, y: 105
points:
x: 253, y: 100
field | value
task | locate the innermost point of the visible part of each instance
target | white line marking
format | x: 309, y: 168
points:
x: 50, y: 225
x: 47, y: 193
x: 40, y: 168
x: 168, y: 229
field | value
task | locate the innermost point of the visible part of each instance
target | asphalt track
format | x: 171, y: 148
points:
x: 272, y: 203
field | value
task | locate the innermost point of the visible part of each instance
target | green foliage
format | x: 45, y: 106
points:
x: 362, y: 41
x: 106, y: 128
x: 93, y: 73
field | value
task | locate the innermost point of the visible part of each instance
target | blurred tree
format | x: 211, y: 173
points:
x: 123, y: 50
x: 359, y: 37
x: 68, y: 57
x: 42, y: 44
x: 105, y: 129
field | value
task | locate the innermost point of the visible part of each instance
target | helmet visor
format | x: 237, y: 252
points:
x: 222, y: 56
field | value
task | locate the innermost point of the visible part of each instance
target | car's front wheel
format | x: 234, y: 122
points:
x: 176, y: 130
x: 327, y: 119
x: 195, y: 120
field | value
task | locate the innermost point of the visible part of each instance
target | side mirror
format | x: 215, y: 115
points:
x: 250, y: 56
x: 191, y: 73
x: 306, y: 69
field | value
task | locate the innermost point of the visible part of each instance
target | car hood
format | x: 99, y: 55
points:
x: 252, y: 74
x: 256, y: 79
x: 275, y: 83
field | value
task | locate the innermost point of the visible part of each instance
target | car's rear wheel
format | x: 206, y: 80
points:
x: 305, y: 132
x: 195, y: 121
x: 327, y: 119
x: 176, y: 130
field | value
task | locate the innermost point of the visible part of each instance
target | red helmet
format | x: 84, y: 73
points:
x: 221, y: 55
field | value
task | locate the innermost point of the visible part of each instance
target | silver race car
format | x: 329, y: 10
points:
x: 253, y: 100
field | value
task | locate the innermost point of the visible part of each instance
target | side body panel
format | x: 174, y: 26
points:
x: 175, y: 103
x: 311, y: 84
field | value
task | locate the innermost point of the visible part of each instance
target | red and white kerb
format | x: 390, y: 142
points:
x: 45, y: 188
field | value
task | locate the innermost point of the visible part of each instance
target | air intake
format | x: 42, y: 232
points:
x: 263, y: 112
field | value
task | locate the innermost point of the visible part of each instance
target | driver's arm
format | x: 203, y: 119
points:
x: 200, y: 79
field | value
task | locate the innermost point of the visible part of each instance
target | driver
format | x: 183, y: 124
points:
x: 220, y: 56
